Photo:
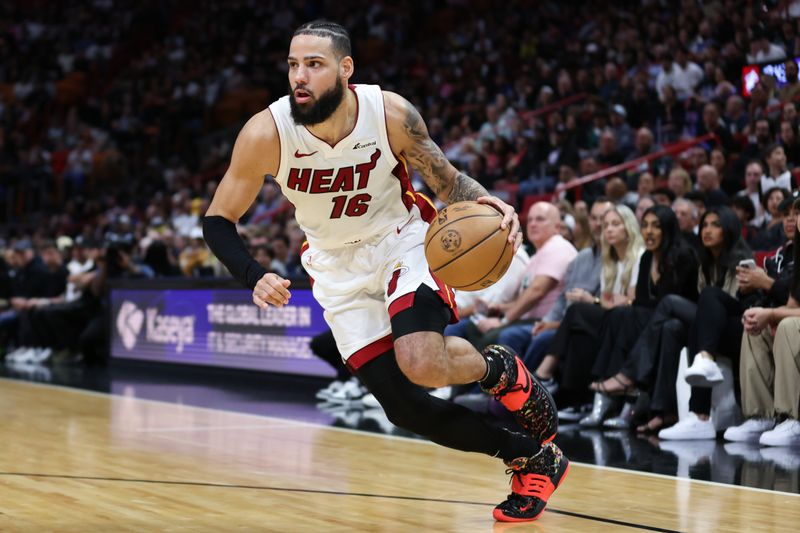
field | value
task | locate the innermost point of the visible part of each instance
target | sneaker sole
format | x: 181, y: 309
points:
x: 749, y: 439
x: 562, y: 475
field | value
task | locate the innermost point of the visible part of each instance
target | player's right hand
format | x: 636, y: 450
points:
x: 271, y: 289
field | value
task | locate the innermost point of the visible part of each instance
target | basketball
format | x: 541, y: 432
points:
x: 466, y: 248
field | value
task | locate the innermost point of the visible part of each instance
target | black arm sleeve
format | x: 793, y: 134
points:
x: 221, y: 237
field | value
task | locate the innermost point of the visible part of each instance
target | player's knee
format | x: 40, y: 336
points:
x: 421, y: 362
x: 421, y: 370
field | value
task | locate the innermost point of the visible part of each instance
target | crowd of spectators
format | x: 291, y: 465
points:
x: 117, y: 120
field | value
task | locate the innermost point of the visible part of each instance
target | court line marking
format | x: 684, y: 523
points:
x: 319, y: 491
x: 385, y: 436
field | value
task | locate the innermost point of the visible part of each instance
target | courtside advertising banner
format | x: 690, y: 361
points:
x: 217, y: 327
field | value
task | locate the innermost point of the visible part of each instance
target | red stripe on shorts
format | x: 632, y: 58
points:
x: 401, y: 304
x: 369, y: 352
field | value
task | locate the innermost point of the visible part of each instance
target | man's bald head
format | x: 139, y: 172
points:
x: 544, y: 221
x: 707, y: 178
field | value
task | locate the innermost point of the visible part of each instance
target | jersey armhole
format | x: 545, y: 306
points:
x: 385, y: 129
x: 280, y: 146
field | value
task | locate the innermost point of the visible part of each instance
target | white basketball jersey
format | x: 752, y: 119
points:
x: 349, y: 192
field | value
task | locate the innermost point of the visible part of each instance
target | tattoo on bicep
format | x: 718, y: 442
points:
x: 429, y: 160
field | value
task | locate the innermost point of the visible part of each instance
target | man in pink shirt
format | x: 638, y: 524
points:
x: 544, y: 277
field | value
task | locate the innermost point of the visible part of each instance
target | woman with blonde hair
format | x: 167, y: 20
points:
x: 621, y: 249
x: 575, y: 343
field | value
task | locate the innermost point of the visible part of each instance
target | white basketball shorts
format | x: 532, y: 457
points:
x: 362, y: 286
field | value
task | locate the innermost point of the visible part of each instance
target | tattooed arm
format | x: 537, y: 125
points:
x: 409, y: 136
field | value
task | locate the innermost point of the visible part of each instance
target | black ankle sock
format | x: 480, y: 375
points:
x: 494, y: 369
x: 517, y: 445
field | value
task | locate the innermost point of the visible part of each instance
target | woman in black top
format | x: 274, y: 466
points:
x: 667, y: 328
x: 668, y: 266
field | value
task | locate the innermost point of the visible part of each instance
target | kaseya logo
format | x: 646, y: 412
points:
x: 159, y: 328
x: 129, y: 323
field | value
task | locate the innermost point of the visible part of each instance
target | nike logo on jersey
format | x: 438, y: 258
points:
x: 298, y: 155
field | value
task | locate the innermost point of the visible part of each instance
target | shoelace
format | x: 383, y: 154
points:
x: 513, y: 388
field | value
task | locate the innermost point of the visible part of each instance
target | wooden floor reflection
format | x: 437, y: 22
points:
x: 77, y: 461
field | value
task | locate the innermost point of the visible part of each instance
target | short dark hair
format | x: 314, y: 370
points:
x: 745, y: 204
x: 664, y: 192
x: 340, y: 39
x: 769, y: 149
x: 602, y: 199
x: 695, y: 196
x: 767, y: 120
x: 758, y: 162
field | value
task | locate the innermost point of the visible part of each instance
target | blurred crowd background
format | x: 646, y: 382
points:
x: 117, y: 120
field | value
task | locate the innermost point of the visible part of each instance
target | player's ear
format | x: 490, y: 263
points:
x: 346, y: 67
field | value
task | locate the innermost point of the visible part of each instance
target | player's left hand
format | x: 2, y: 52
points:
x: 510, y: 218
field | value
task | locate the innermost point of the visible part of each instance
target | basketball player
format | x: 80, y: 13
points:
x: 340, y: 154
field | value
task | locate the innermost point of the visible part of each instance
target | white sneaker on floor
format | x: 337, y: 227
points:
x: 26, y: 356
x: 41, y: 355
x: 351, y: 391
x: 370, y: 401
x: 703, y: 373
x: 690, y: 428
x: 787, y: 433
x: 333, y: 386
x: 750, y: 431
x: 13, y: 355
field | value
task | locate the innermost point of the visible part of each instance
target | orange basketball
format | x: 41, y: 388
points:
x: 466, y: 248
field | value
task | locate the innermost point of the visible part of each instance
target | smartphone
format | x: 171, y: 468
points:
x: 747, y: 263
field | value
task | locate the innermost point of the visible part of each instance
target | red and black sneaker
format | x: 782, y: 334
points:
x: 523, y: 395
x: 533, y: 481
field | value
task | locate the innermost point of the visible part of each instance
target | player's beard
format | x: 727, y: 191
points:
x: 317, y: 111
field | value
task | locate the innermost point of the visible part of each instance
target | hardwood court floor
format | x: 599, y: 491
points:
x: 78, y: 461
